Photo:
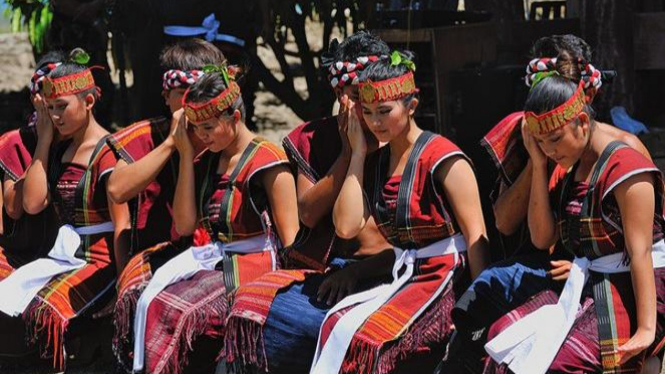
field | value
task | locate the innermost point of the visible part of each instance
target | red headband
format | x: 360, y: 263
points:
x: 68, y: 85
x: 388, y: 89
x: 199, y: 112
x: 539, y: 124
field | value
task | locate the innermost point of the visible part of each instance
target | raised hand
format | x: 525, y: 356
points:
x: 536, y: 154
x: 44, y: 124
x: 179, y: 134
x: 343, y: 122
x: 355, y: 131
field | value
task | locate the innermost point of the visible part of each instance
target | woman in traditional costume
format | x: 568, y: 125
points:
x: 19, y: 241
x: 274, y: 321
x: 147, y: 171
x: 24, y: 237
x: 604, y: 203
x: 242, y: 192
x: 411, y: 187
x: 509, y: 283
x: 59, y: 292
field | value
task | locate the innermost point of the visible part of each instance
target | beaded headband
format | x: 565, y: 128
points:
x: 68, y: 85
x: 540, y: 124
x: 343, y: 73
x: 199, y: 112
x: 175, y: 78
x: 388, y: 89
x: 539, y: 68
x: 37, y: 80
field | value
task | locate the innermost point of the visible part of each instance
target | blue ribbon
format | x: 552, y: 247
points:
x: 209, y: 28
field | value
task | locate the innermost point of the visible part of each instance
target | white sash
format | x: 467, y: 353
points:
x: 18, y: 290
x: 531, y: 344
x: 329, y: 357
x: 182, y: 267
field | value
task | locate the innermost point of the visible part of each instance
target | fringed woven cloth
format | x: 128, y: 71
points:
x: 80, y: 194
x: 132, y: 282
x: 505, y: 146
x: 198, y: 307
x: 181, y: 314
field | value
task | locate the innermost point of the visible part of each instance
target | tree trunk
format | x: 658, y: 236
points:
x: 607, y: 25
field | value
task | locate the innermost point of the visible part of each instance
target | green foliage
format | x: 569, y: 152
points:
x: 32, y: 16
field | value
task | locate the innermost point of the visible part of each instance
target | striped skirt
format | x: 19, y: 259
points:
x: 580, y: 352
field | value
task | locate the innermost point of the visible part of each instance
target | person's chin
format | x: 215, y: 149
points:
x: 212, y: 147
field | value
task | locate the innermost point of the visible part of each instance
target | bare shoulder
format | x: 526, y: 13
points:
x: 631, y: 140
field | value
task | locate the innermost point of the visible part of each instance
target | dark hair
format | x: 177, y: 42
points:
x: 550, y: 93
x: 209, y: 87
x: 190, y: 54
x: 69, y: 68
x: 383, y: 69
x: 358, y: 44
x: 569, y: 50
x: 51, y: 58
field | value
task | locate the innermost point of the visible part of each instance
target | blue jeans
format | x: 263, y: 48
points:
x: 292, y: 328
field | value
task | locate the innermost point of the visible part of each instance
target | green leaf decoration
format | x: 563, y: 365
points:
x: 80, y: 56
x: 397, y: 58
x: 539, y: 76
x: 221, y: 69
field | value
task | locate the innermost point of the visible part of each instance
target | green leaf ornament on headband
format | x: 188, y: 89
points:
x: 539, y: 76
x: 221, y: 69
x: 79, y: 56
x: 397, y: 58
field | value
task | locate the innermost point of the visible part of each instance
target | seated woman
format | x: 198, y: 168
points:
x: 604, y: 203
x: 509, y: 283
x: 411, y: 189
x: 242, y: 192
x: 91, y: 247
x: 19, y: 244
x: 274, y: 322
x: 147, y: 172
x: 23, y: 237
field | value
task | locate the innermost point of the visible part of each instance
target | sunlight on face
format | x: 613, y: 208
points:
x: 386, y: 119
x: 217, y: 133
x: 564, y: 145
x: 68, y: 113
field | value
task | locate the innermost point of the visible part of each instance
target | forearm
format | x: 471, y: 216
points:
x: 128, y: 180
x: 184, y: 206
x: 319, y: 200
x: 121, y: 244
x: 35, y: 185
x: 644, y: 287
x: 512, y: 205
x: 540, y: 218
x: 349, y: 209
x: 478, y: 252
x: 13, y: 198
